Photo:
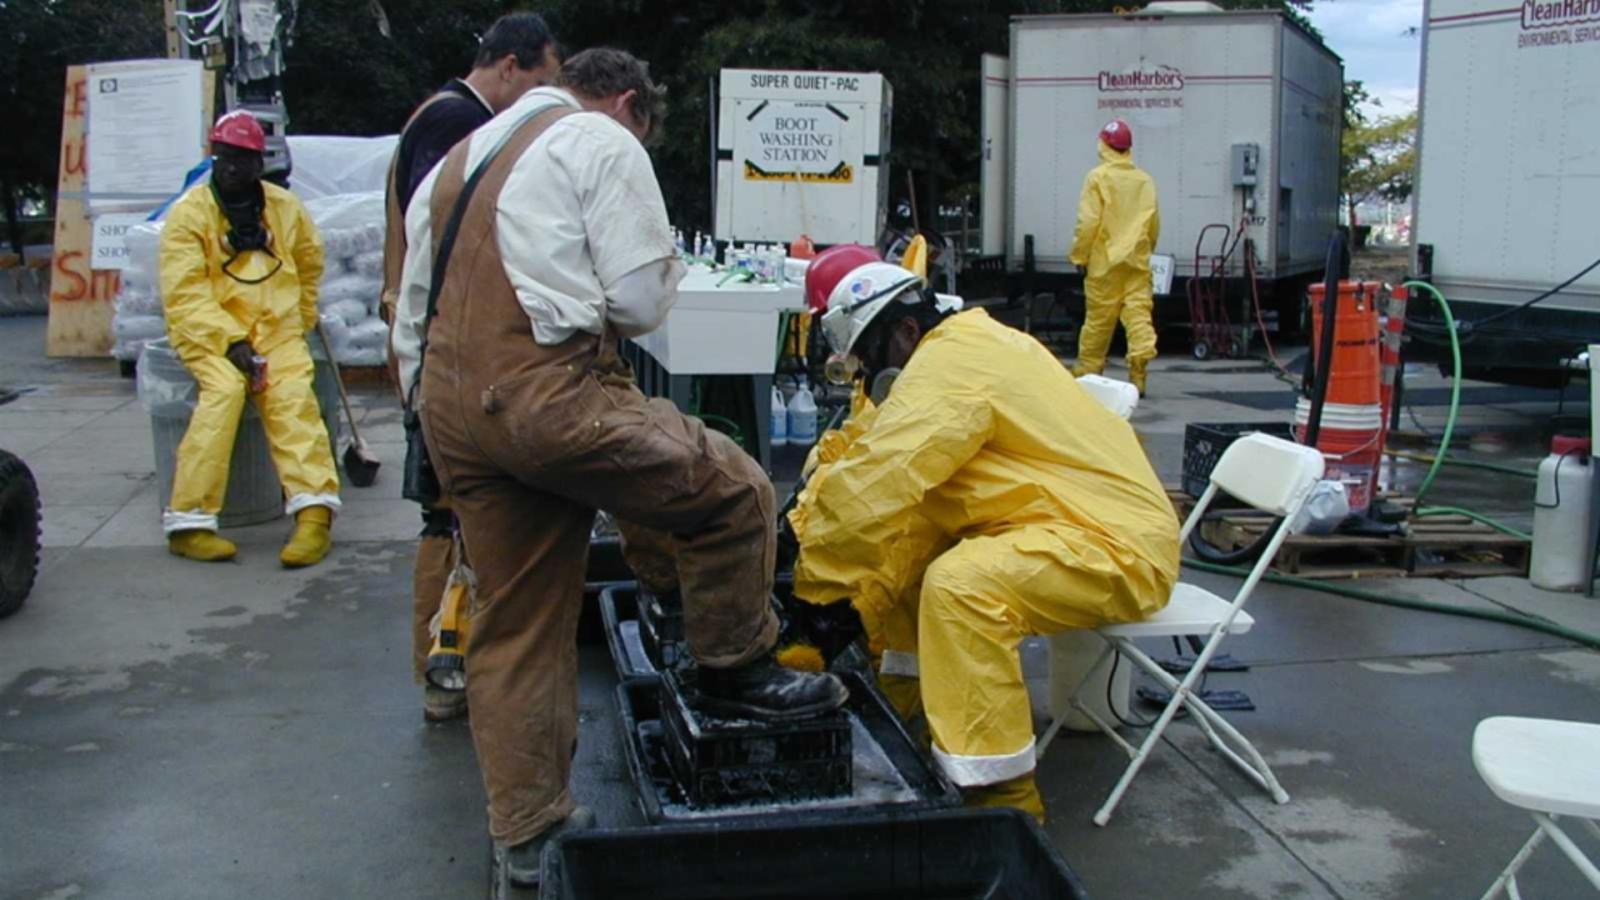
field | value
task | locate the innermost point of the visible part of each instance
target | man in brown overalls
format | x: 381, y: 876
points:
x: 534, y: 422
x: 516, y: 54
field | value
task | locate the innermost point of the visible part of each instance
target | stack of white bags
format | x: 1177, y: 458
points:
x: 341, y: 182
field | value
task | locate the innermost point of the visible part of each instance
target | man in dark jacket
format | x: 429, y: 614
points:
x: 517, y: 55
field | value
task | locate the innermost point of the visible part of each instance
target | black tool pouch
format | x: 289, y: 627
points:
x: 420, y: 482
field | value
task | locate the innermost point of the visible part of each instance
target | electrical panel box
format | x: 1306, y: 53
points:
x: 1246, y: 158
x: 802, y: 153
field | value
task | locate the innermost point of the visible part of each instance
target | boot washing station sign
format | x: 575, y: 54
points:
x: 801, y: 153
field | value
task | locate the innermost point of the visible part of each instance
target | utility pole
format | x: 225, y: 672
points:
x: 174, y: 42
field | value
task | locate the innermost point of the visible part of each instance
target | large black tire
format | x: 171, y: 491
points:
x: 19, y: 533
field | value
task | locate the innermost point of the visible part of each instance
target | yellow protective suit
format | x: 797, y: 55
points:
x: 989, y: 498
x: 1118, y: 225
x: 206, y: 311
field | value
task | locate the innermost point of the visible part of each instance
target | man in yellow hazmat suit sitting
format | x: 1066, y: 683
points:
x: 240, y: 266
x: 987, y: 498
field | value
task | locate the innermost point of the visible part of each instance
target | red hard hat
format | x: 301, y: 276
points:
x: 1117, y: 135
x: 830, y: 267
x: 239, y: 129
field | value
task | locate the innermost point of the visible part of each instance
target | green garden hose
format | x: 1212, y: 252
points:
x: 1464, y: 463
x: 1455, y: 388
x: 1519, y: 620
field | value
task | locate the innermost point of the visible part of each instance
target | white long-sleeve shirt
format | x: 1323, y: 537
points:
x: 582, y: 229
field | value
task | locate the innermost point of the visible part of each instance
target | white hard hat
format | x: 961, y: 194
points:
x: 858, y: 298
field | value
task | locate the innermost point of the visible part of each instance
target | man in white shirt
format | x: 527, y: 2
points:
x: 533, y: 422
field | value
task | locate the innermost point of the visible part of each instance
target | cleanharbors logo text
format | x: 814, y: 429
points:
x: 1160, y: 78
x: 1557, y: 13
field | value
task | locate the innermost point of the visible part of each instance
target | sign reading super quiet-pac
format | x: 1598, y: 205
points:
x: 799, y: 153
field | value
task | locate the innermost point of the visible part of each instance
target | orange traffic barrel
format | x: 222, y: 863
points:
x: 1353, y: 379
x: 1351, y: 433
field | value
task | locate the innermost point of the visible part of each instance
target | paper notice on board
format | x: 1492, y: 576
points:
x: 144, y: 131
x: 109, y: 249
x: 1161, y: 266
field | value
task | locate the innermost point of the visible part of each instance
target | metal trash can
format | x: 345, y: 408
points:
x: 170, y: 393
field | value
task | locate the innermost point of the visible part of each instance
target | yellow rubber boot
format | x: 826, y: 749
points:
x: 1137, y: 372
x: 200, y: 545
x: 1019, y: 793
x: 310, y: 541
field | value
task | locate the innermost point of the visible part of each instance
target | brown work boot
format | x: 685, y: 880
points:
x: 521, y: 863
x: 765, y: 690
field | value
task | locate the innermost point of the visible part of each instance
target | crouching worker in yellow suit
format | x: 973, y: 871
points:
x: 240, y: 266
x: 986, y: 499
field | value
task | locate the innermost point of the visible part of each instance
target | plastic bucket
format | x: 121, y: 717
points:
x: 254, y: 493
x: 1351, y: 439
x: 1353, y: 379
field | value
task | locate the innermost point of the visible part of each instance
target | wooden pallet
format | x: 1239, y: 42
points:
x: 1435, y: 547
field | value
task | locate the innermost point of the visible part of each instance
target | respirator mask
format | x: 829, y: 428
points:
x: 246, y: 232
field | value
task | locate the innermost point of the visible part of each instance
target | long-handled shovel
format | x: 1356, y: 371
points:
x: 360, y: 463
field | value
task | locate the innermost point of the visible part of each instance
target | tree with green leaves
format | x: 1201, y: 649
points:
x: 1378, y: 160
x: 42, y: 38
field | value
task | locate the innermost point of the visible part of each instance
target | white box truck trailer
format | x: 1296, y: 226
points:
x: 1507, y: 202
x: 802, y: 153
x: 1236, y: 115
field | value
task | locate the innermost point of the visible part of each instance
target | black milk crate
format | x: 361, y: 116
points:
x: 661, y: 628
x: 719, y: 762
x: 1203, y: 445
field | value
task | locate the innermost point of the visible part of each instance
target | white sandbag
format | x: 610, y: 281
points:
x: 347, y: 287
x: 335, y: 164
x: 369, y: 265
x: 349, y: 311
x: 367, y: 356
x: 135, y: 328
x: 369, y: 333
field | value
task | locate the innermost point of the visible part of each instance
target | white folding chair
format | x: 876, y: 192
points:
x: 1547, y: 767
x: 1269, y: 474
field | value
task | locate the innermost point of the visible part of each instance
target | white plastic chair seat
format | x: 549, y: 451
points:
x: 1544, y: 765
x: 1191, y: 610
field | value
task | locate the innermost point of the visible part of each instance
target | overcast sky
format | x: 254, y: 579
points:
x: 1371, y: 37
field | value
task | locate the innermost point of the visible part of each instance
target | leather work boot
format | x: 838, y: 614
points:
x: 520, y: 864
x: 200, y: 545
x: 765, y: 690
x: 440, y: 705
x: 310, y: 541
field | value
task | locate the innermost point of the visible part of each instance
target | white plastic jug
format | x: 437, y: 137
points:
x: 1071, y: 655
x: 803, y: 417
x: 780, y: 419
x: 1562, y: 534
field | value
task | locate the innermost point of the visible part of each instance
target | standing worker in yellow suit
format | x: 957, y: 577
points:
x: 1118, y: 224
x: 240, y: 266
x: 988, y: 498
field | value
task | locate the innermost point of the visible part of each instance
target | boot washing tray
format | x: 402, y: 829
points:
x: 926, y: 855
x: 887, y: 770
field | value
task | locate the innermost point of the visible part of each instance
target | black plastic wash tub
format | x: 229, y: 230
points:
x: 889, y: 772
x: 928, y: 855
x: 619, y: 613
